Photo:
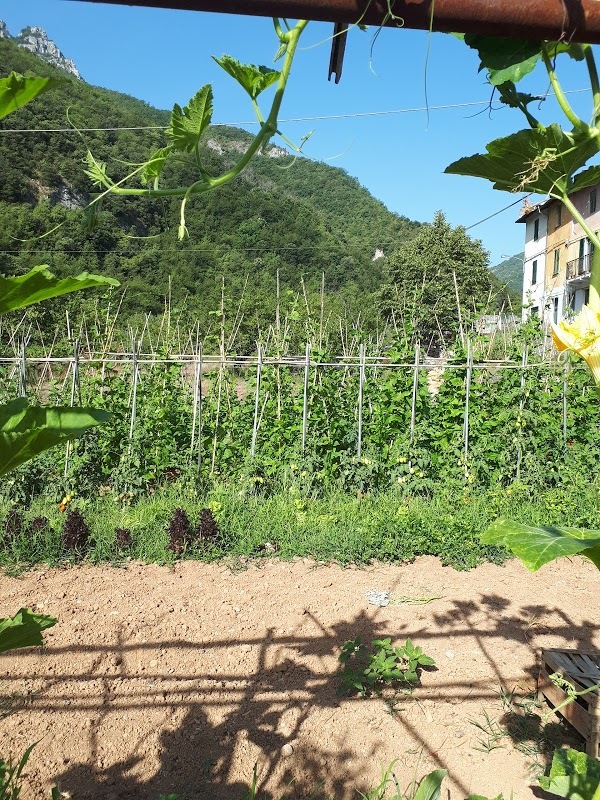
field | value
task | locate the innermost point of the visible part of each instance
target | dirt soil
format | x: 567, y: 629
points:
x: 161, y: 679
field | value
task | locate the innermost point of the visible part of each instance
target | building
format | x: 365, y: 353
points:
x: 557, y: 262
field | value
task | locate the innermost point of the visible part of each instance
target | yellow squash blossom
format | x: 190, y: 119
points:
x: 582, y: 336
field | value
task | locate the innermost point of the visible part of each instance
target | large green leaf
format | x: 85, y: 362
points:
x: 17, y: 90
x: 505, y: 59
x: 40, y: 284
x: 431, y: 785
x: 574, y: 775
x: 511, y: 59
x: 27, y: 430
x: 537, y: 546
x: 23, y: 630
x: 188, y: 124
x: 539, y: 160
x: 250, y: 77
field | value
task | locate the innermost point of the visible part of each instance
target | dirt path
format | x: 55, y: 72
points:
x: 162, y: 680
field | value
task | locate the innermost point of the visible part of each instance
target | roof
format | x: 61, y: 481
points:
x: 527, y: 209
x: 525, y: 19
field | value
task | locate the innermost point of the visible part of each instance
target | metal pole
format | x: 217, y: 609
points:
x: 256, y: 401
x: 361, y: 381
x: 74, y: 386
x: 305, y: 397
x: 413, y: 410
x: 467, y: 397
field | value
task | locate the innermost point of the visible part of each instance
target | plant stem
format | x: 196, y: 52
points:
x: 594, y: 82
x: 557, y: 89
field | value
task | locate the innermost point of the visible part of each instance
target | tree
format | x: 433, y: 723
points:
x: 420, y: 279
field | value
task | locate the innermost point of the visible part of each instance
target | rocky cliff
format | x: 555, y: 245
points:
x: 36, y: 40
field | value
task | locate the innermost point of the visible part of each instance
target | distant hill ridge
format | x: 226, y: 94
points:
x: 510, y: 272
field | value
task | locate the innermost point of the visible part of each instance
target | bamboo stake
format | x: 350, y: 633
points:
x: 521, y: 404
x: 564, y: 403
x: 133, y: 393
x: 460, y: 324
x: 200, y: 409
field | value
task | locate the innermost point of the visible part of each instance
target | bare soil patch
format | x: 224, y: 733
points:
x: 161, y: 679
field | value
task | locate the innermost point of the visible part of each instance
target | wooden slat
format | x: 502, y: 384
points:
x: 574, y: 713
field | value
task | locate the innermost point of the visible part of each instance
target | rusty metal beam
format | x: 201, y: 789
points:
x: 578, y: 20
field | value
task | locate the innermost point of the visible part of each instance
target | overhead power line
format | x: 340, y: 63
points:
x: 324, y: 117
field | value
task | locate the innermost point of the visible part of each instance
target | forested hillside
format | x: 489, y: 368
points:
x: 301, y: 221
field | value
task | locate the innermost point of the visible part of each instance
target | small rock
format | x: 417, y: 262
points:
x: 450, y: 654
x: 287, y: 750
x: 153, y: 664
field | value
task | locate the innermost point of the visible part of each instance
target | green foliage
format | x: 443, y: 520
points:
x: 573, y: 775
x: 536, y: 546
x: 188, y: 124
x: 10, y: 776
x: 24, y: 629
x: 18, y: 90
x: 365, y: 672
x: 40, y: 284
x: 420, y: 279
x: 429, y: 788
x: 252, y: 79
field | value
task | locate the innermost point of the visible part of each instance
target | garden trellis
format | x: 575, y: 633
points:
x: 219, y: 413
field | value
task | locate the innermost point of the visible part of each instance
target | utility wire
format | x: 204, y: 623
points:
x: 495, y: 214
x: 324, y: 117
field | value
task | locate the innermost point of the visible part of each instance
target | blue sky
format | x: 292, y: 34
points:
x: 163, y: 57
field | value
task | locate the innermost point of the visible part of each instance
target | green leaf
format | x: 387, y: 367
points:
x: 28, y: 430
x: 505, y: 59
x: 17, y: 90
x: 539, y: 160
x: 511, y: 97
x: 23, y: 630
x: 538, y: 546
x: 188, y: 124
x: 431, y: 785
x: 153, y: 167
x: 96, y: 171
x: 589, y: 177
x: 251, y: 78
x: 40, y: 284
x: 574, y: 775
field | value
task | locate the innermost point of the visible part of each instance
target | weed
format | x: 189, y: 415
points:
x: 493, y: 733
x: 76, y: 534
x: 385, y: 665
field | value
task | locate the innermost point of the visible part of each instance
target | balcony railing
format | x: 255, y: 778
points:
x: 579, y: 266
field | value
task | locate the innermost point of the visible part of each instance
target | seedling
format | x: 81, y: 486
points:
x: 367, y: 672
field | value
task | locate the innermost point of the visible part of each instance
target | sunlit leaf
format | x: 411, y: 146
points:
x: 96, y: 171
x: 188, y: 124
x: 40, y: 284
x: 431, y: 785
x: 17, y: 90
x: 536, y: 546
x: 23, y: 630
x: 505, y: 59
x: 511, y: 97
x: 153, y: 167
x: 532, y: 160
x: 573, y: 774
x: 26, y: 431
x: 250, y: 77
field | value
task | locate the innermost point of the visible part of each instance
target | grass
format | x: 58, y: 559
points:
x: 337, y: 527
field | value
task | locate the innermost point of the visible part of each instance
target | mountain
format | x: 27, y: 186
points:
x: 36, y: 41
x: 510, y: 272
x: 303, y: 221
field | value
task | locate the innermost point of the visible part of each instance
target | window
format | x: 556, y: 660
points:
x: 536, y: 230
x: 535, y: 311
x: 592, y: 201
x: 534, y: 272
x: 558, y: 215
x: 556, y: 262
x: 555, y: 309
x: 586, y: 296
